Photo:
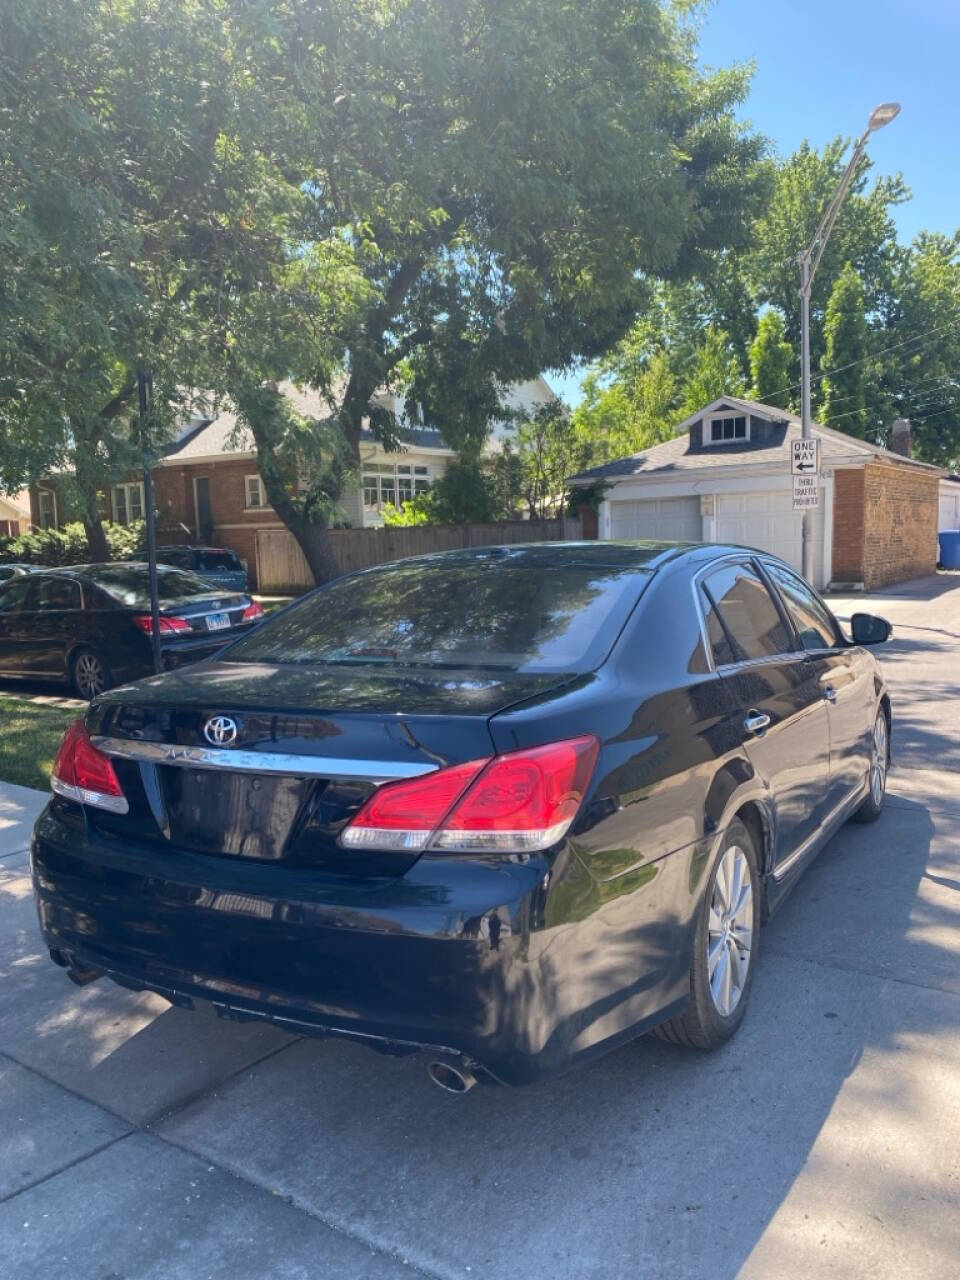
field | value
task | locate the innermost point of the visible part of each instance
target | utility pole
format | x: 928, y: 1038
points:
x: 809, y: 260
x: 145, y: 388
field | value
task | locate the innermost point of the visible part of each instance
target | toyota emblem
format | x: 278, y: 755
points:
x: 220, y: 731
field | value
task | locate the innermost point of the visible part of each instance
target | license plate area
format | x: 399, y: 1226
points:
x: 218, y: 621
x: 239, y: 814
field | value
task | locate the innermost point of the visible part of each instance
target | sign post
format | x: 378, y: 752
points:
x: 805, y: 467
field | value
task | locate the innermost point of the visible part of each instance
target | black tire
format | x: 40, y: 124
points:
x: 872, y: 806
x: 83, y: 664
x: 702, y: 1025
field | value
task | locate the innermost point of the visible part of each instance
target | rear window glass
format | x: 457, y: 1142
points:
x: 130, y: 584
x: 217, y: 560
x: 477, y: 614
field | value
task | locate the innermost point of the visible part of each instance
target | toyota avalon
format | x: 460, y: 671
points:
x: 509, y: 806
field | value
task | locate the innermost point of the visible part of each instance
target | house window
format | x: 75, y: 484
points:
x: 47, y: 508
x: 393, y: 483
x: 127, y: 503
x: 728, y: 430
x: 256, y: 496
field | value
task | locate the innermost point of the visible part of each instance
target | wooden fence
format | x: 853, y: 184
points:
x: 282, y: 568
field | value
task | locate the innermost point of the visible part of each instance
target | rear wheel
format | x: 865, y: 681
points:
x: 724, y: 949
x: 872, y: 806
x: 88, y: 674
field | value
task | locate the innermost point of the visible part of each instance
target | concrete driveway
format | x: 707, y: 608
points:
x: 140, y: 1141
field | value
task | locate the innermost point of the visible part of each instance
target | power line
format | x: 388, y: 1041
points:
x: 896, y: 395
x: 866, y: 359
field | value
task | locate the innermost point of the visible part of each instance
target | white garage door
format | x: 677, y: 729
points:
x: 664, y: 519
x: 768, y: 522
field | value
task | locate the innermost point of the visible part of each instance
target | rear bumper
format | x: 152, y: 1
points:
x: 452, y: 956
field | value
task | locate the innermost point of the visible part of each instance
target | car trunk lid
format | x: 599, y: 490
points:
x: 223, y: 759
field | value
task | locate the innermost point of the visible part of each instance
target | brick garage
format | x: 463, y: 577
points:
x: 884, y: 524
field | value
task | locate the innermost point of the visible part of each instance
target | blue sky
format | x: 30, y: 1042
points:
x: 822, y: 65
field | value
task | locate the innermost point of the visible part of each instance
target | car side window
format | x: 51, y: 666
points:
x: 809, y: 616
x: 747, y: 623
x: 14, y: 596
x: 57, y: 593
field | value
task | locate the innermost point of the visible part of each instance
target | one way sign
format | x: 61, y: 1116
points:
x: 805, y: 458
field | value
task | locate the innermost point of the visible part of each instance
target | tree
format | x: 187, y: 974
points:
x: 771, y: 360
x: 716, y: 372
x: 843, y: 366
x: 506, y: 182
x: 135, y: 195
x: 550, y: 449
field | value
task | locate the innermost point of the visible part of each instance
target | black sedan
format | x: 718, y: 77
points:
x: 512, y: 806
x: 90, y: 625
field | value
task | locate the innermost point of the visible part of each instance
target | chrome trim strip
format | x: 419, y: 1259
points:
x: 848, y: 803
x: 261, y: 761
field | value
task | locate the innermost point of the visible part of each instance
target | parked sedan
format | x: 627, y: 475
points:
x: 90, y: 625
x: 15, y: 570
x: 218, y: 565
x: 512, y: 806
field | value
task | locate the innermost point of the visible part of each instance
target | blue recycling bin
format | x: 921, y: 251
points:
x: 950, y: 549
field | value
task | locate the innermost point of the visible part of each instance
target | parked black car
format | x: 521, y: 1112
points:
x: 513, y: 806
x: 91, y: 625
x: 13, y: 569
x: 218, y: 565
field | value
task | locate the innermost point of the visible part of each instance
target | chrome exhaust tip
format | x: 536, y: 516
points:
x: 451, y: 1076
x: 83, y: 977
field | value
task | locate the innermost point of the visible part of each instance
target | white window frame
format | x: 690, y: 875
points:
x: 709, y: 442
x: 263, y: 504
x: 418, y: 477
x: 133, y: 486
x: 52, y: 495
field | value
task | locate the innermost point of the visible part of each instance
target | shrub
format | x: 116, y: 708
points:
x: 54, y: 547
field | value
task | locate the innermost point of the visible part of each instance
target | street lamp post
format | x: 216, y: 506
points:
x: 809, y: 261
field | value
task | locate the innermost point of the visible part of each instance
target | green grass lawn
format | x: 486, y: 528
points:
x: 29, y: 737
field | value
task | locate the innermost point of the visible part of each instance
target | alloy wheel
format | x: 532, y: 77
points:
x: 879, y: 760
x: 89, y: 675
x: 730, y: 931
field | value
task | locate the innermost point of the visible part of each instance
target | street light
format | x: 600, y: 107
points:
x: 809, y: 261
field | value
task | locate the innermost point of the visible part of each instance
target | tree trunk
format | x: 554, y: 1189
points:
x: 315, y: 543
x: 87, y: 483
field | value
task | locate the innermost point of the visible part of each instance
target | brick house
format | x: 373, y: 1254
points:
x: 725, y: 477
x: 14, y: 514
x: 207, y: 489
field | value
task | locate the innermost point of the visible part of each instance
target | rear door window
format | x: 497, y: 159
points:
x: 13, y: 598
x: 743, y: 620
x: 56, y: 594
x: 809, y: 615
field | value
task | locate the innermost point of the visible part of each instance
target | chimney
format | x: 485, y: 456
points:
x: 900, y: 438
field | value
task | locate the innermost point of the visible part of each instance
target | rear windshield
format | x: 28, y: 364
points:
x: 217, y: 560
x: 476, y: 614
x: 129, y: 584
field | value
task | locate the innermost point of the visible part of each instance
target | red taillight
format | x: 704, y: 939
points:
x: 168, y: 625
x: 404, y: 815
x: 84, y: 774
x: 253, y: 610
x: 515, y: 803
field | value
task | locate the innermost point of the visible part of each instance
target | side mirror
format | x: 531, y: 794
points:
x: 866, y: 628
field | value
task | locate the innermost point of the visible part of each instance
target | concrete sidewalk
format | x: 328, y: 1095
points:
x: 138, y: 1140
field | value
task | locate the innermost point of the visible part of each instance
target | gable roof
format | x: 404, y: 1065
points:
x: 677, y: 455
x: 20, y: 502
x: 222, y: 437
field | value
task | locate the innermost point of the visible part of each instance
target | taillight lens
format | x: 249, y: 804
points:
x: 84, y: 774
x: 168, y: 626
x: 253, y: 610
x: 404, y: 815
x: 518, y: 802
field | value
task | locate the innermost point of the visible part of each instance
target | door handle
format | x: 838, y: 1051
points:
x: 830, y: 693
x: 756, y: 722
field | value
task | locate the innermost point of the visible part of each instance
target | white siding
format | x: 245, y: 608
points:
x: 949, y: 505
